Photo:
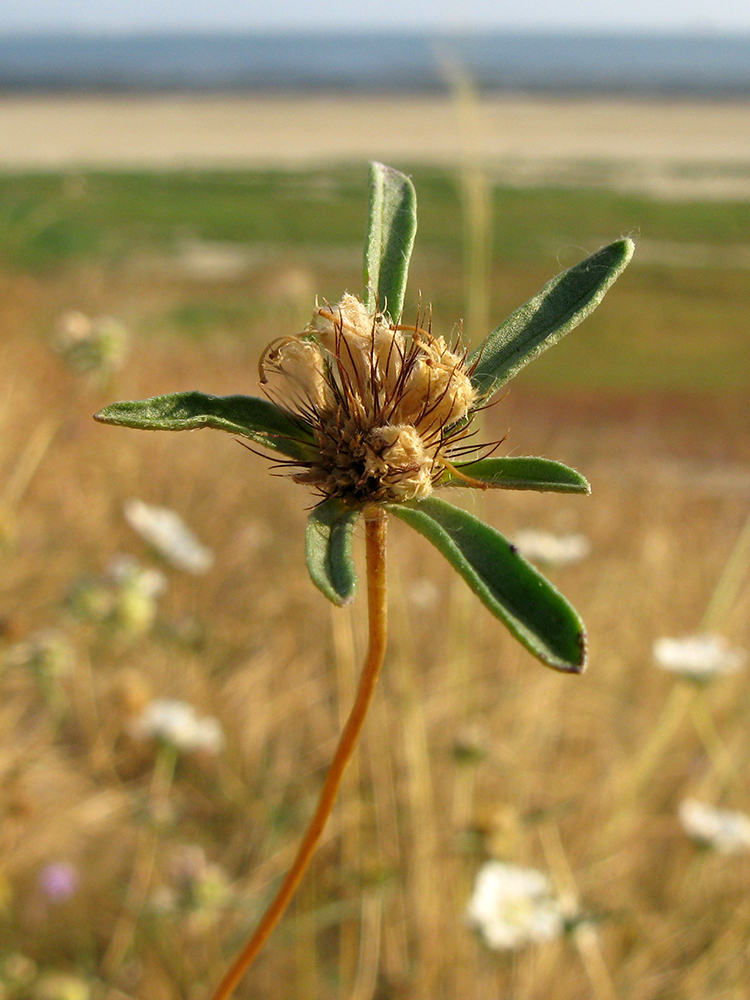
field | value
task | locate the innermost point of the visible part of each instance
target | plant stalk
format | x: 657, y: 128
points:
x: 375, y: 533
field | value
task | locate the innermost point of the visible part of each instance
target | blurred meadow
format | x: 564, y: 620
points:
x: 135, y: 867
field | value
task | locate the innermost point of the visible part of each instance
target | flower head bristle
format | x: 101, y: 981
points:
x: 385, y: 402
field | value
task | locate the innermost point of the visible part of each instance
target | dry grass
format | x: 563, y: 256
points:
x: 381, y: 913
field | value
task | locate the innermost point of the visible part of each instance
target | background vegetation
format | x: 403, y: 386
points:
x: 473, y: 749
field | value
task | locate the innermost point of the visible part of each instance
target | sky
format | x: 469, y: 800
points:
x: 325, y: 15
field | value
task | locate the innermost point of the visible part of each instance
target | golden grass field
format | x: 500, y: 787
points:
x: 473, y: 750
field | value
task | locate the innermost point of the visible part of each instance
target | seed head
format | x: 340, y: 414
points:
x: 386, y: 403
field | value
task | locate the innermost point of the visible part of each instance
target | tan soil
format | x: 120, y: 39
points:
x: 669, y: 148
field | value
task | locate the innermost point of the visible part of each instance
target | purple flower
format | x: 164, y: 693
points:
x: 58, y: 881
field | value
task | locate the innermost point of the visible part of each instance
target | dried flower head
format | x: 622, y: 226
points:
x: 387, y: 403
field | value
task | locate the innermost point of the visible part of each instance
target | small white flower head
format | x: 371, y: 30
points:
x: 513, y: 907
x: 698, y: 657
x: 724, y: 830
x: 176, y: 723
x: 85, y: 344
x: 166, y: 532
x: 386, y: 403
x: 551, y: 550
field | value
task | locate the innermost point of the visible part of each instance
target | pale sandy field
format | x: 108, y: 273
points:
x: 663, y: 147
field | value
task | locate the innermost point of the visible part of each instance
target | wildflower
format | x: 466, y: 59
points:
x: 513, y: 907
x: 177, y: 724
x: 551, y: 550
x: 58, y: 881
x: 698, y: 657
x: 386, y: 410
x: 373, y: 415
x: 85, y: 344
x: 724, y: 830
x: 166, y: 532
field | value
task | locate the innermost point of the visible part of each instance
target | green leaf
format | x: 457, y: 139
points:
x: 535, y: 612
x: 520, y: 473
x: 328, y: 541
x: 559, y: 307
x: 391, y: 229
x: 248, y: 416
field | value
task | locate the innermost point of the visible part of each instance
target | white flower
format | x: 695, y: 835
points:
x: 169, y: 535
x: 698, y: 657
x: 552, y: 550
x: 513, y: 906
x: 722, y: 829
x: 176, y: 722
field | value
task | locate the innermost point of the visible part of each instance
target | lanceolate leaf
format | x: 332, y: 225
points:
x: 248, y: 416
x: 328, y: 541
x: 390, y: 237
x: 559, y: 307
x: 534, y: 611
x: 518, y: 472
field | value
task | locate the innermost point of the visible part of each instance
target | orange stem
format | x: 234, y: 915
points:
x: 375, y: 529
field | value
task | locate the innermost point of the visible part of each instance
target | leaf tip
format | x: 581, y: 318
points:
x: 583, y: 648
x: 626, y: 246
x: 106, y: 415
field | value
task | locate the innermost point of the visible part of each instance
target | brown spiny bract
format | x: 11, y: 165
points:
x: 386, y: 403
